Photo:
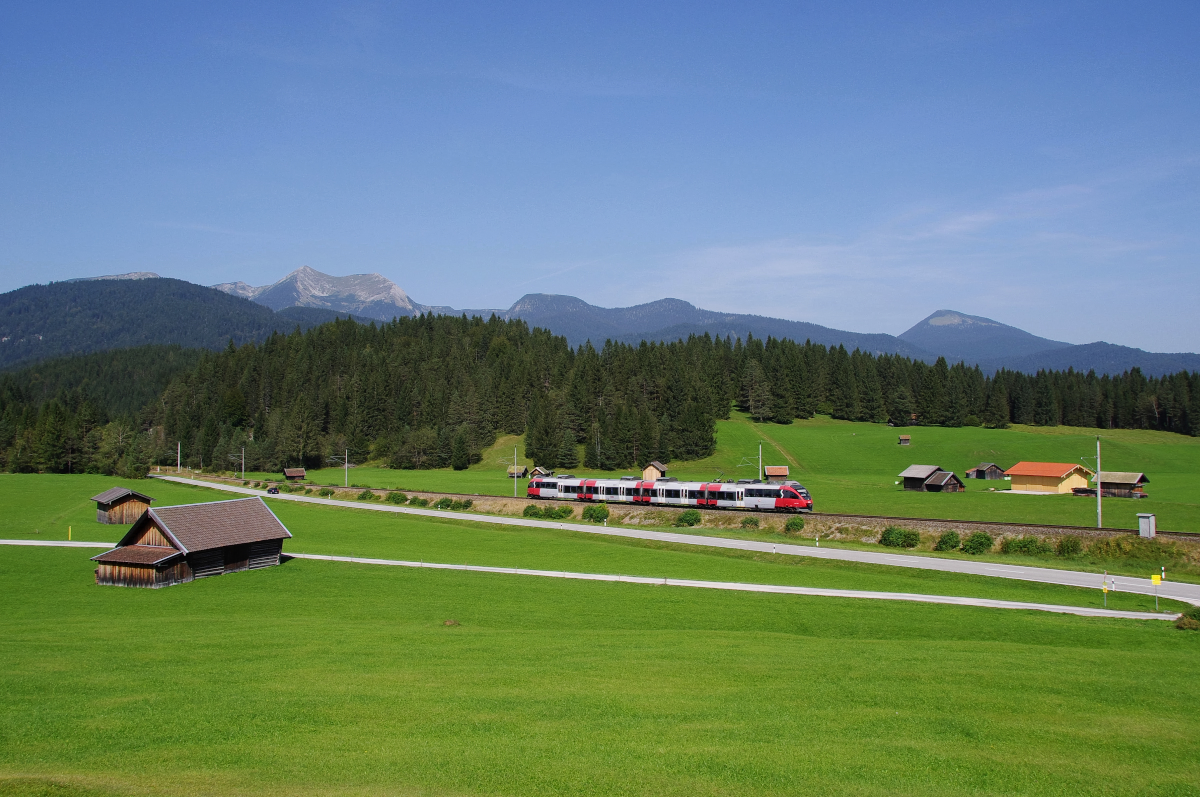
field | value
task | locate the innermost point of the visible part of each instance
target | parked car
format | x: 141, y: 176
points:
x: 272, y: 491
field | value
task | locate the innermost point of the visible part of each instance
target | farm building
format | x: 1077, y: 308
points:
x: 905, y: 440
x: 930, y: 479
x: 986, y: 470
x: 776, y: 474
x: 177, y: 544
x: 294, y: 474
x: 120, y: 505
x: 1120, y: 484
x: 540, y: 471
x: 654, y: 471
x: 1047, y: 477
x: 519, y: 471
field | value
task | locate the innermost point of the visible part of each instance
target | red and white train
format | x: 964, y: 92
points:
x: 746, y: 494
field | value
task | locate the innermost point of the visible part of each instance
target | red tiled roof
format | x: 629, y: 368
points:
x: 1050, y: 470
x: 775, y: 470
x: 137, y: 555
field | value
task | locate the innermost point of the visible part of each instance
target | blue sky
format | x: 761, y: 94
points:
x: 854, y: 165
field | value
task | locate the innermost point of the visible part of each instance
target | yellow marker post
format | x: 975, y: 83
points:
x: 68, y: 532
x: 1155, y: 580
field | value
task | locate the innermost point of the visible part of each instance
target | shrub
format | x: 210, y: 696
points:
x: 467, y: 503
x: 396, y: 497
x: 308, y: 491
x: 456, y: 505
x: 949, y: 541
x: 1068, y: 546
x: 245, y: 484
x: 749, y: 522
x: 443, y: 503
x: 597, y: 513
x: 557, y: 512
x: 418, y: 502
x: 1028, y: 546
x: 1131, y: 547
x: 366, y: 495
x: 688, y: 517
x: 1185, y: 623
x: 794, y: 525
x: 533, y: 510
x: 977, y: 543
x: 896, y: 537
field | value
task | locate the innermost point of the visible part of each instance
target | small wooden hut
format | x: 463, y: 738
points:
x: 1120, y: 484
x: 943, y: 481
x: 294, y: 474
x: 120, y: 505
x: 176, y: 544
x: 986, y: 470
x: 517, y: 471
x: 930, y: 479
x: 540, y: 471
x: 654, y: 471
x: 905, y: 440
x: 776, y: 474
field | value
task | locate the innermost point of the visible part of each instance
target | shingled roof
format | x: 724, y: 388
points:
x: 137, y: 555
x: 117, y: 493
x: 199, y: 527
x: 919, y: 471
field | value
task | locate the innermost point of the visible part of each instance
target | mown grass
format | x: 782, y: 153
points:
x: 363, y: 533
x: 332, y: 678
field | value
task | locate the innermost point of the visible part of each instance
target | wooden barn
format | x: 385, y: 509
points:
x: 905, y: 440
x: 120, y: 505
x: 930, y: 479
x: 176, y: 544
x: 986, y: 470
x: 540, y: 471
x: 1047, y: 477
x: 654, y: 471
x: 517, y: 471
x: 1120, y: 484
x: 294, y: 474
x: 776, y: 474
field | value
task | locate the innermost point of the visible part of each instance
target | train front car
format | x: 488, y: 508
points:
x: 794, y: 498
x: 542, y: 487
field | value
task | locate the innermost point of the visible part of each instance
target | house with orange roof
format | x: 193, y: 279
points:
x: 1047, y: 477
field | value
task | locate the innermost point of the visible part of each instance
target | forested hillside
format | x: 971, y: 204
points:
x: 429, y: 392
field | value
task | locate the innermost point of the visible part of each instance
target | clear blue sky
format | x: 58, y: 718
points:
x: 855, y: 165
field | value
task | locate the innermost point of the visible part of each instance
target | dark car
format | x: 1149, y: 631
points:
x: 272, y: 491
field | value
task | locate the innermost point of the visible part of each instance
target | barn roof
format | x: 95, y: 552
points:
x: 919, y: 471
x: 775, y: 470
x: 117, y: 493
x: 986, y: 465
x: 942, y: 477
x: 1121, y: 477
x: 200, y: 527
x: 661, y: 468
x: 137, y: 555
x: 290, y: 472
x: 1050, y: 470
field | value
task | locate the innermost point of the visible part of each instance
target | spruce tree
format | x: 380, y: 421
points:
x: 568, y: 450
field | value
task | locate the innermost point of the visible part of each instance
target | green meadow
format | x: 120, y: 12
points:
x: 334, y: 678
x: 852, y: 467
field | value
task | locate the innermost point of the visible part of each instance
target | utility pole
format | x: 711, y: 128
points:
x: 1099, y: 487
x: 346, y: 459
x: 243, y: 463
x: 760, y: 460
x: 178, y: 456
x: 516, y: 470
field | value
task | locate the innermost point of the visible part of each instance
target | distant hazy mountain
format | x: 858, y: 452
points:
x: 38, y: 322
x: 365, y: 295
x: 1101, y: 357
x: 958, y: 336
x: 132, y: 275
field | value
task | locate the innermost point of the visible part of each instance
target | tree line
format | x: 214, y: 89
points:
x: 436, y: 391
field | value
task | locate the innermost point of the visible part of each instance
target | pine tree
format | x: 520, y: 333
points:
x: 460, y: 455
x: 568, y: 451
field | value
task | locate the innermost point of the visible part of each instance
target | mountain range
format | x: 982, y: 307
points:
x: 141, y: 308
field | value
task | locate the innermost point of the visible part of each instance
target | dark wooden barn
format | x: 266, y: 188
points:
x: 294, y: 474
x: 943, y: 482
x: 986, y: 470
x: 120, y: 505
x: 930, y: 479
x: 177, y: 544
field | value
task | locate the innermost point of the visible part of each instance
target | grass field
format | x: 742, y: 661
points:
x: 329, y: 678
x: 851, y: 468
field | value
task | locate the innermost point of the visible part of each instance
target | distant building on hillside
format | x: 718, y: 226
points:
x: 294, y: 474
x: 654, y: 471
x: 177, y: 544
x: 905, y: 440
x: 120, y: 505
x: 1047, y: 477
x: 776, y: 474
x: 1119, y: 484
x: 986, y: 470
x: 519, y: 471
x: 540, y: 471
x: 930, y: 479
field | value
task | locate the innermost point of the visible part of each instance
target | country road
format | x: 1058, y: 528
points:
x: 1188, y: 593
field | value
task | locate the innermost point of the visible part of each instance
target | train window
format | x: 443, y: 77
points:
x: 549, y: 485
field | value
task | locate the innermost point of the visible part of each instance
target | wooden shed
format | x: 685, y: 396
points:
x: 986, y: 470
x: 1120, y: 484
x: 654, y: 471
x: 1047, y: 477
x: 294, y: 474
x: 930, y: 479
x: 540, y: 471
x: 776, y: 474
x: 176, y: 544
x: 517, y: 471
x: 905, y: 440
x: 120, y: 505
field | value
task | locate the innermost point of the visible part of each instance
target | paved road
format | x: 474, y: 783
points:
x: 1189, y: 593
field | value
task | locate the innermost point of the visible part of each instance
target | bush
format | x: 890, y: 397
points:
x: 1068, y: 546
x: 557, y: 512
x: 366, y: 495
x: 467, y: 503
x: 1192, y: 612
x: 396, y: 497
x: 949, y: 541
x: 896, y: 537
x: 1028, y: 546
x: 418, y: 502
x: 456, y: 505
x: 597, y: 513
x: 794, y: 525
x: 308, y: 491
x: 977, y: 543
x: 1132, y: 547
x: 245, y: 484
x: 749, y: 522
x: 533, y: 510
x: 1185, y: 623
x: 688, y: 517
x: 443, y: 503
